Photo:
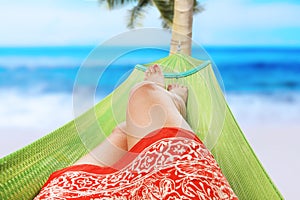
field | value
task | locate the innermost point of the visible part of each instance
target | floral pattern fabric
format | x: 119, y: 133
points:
x: 169, y: 163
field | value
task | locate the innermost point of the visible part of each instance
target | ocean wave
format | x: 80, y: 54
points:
x: 260, y: 108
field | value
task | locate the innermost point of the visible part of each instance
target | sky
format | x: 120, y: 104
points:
x: 84, y: 22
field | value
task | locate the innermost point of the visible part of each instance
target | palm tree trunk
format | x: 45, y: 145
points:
x: 182, y: 26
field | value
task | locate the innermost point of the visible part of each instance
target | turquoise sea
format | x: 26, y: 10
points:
x: 259, y: 70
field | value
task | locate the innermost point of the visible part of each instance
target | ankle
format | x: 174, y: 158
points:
x: 179, y: 103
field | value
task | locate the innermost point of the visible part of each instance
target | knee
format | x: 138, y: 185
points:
x: 143, y: 89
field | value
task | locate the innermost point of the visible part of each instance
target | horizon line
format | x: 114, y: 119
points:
x: 113, y: 46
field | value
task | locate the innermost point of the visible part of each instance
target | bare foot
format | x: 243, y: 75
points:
x: 180, y: 90
x: 154, y: 74
x: 179, y: 96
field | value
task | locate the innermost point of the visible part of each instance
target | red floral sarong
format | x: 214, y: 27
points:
x: 170, y: 163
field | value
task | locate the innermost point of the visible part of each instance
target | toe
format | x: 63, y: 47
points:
x: 147, y: 72
x: 151, y: 69
x: 169, y: 87
x: 157, y: 68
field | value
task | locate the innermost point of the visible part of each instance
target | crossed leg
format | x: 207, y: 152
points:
x: 150, y: 107
x: 109, y: 151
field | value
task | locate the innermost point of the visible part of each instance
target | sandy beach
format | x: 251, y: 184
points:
x: 272, y: 128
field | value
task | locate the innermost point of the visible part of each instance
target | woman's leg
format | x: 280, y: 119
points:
x: 151, y: 107
x: 109, y: 151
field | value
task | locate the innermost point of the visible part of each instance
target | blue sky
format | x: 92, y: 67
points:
x: 84, y: 22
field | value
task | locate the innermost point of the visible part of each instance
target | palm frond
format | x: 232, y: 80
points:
x: 136, y: 14
x: 166, y: 10
x: 197, y: 7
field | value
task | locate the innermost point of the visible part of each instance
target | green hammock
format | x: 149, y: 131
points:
x: 25, y: 171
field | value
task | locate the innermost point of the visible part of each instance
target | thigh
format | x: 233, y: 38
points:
x: 109, y: 151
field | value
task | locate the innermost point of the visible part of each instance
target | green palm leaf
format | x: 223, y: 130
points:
x: 166, y: 10
x: 137, y: 13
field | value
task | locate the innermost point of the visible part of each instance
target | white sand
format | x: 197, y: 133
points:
x: 271, y: 127
x: 273, y: 130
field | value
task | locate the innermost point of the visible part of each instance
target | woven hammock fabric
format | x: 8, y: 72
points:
x: 25, y: 171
